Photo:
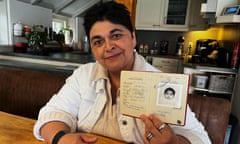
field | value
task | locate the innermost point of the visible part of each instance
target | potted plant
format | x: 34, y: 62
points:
x: 37, y: 38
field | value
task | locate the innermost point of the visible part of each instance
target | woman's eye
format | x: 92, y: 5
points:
x: 116, y: 36
x: 97, y: 42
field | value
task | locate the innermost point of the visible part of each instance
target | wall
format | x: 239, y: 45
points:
x: 27, y: 14
x: 4, y: 23
x: 148, y: 37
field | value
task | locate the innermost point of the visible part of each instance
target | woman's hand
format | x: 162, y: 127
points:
x: 77, y: 138
x: 49, y: 130
x: 157, y: 132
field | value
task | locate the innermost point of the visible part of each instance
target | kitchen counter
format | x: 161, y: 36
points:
x: 71, y: 57
x: 63, y: 63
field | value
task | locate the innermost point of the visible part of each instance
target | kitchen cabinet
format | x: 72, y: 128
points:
x: 217, y: 6
x: 176, y: 12
x: 148, y: 14
x: 131, y: 5
x: 165, y: 64
x: 196, y: 20
x: 167, y: 15
x: 212, y: 81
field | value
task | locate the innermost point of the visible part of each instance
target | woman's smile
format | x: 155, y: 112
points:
x: 113, y: 56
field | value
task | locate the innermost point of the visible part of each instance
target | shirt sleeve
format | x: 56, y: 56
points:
x: 63, y: 106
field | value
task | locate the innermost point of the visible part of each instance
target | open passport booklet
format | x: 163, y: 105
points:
x: 161, y: 94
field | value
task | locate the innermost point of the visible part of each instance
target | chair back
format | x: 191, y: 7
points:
x: 214, y: 114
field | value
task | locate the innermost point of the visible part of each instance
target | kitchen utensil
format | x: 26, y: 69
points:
x: 180, y: 45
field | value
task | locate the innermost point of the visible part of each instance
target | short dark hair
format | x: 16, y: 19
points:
x: 169, y: 89
x: 112, y: 11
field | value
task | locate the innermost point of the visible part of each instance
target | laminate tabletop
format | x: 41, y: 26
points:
x: 16, y: 129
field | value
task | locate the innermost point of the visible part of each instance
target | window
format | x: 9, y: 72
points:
x: 58, y: 24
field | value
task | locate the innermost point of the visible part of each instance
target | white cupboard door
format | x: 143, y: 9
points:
x: 176, y: 12
x: 149, y: 14
x: 175, y: 16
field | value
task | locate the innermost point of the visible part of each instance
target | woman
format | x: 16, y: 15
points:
x: 89, y: 99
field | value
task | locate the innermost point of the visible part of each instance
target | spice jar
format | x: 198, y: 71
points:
x: 145, y: 49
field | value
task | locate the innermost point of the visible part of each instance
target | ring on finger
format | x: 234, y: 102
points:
x: 149, y: 136
x: 162, y: 126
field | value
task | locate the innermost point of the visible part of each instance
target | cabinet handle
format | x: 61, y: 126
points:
x: 156, y: 25
x: 193, y: 25
x: 165, y: 20
x: 165, y: 61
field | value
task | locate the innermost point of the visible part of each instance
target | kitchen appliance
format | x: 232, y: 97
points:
x: 204, y: 47
x: 180, y: 45
x: 235, y: 56
x: 230, y: 14
x: 223, y: 57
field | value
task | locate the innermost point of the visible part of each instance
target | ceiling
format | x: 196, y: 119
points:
x: 69, y: 8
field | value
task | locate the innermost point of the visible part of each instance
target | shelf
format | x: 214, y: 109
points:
x: 216, y: 70
x: 221, y: 81
x: 211, y: 91
x: 228, y: 19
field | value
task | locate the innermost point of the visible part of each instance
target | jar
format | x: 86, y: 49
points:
x: 140, y: 49
x: 145, y: 49
x: 18, y: 29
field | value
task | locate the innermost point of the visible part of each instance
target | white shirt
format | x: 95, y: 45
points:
x: 82, y: 98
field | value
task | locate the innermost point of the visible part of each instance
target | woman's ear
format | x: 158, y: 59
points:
x: 134, y: 39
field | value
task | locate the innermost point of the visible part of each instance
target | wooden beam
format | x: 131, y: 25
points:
x: 85, y: 7
x: 34, y: 2
x: 62, y: 5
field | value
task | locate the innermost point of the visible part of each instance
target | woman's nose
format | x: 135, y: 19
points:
x: 109, y: 45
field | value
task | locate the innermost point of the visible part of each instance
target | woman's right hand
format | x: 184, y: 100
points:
x: 77, y: 138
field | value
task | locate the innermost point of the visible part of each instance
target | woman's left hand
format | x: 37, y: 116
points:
x: 157, y: 132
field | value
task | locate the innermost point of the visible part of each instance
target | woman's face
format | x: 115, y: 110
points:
x: 112, y: 45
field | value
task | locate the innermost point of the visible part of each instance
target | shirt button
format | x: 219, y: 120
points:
x: 101, y: 91
x: 124, y: 122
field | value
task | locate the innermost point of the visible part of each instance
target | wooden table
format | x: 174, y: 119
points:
x: 19, y: 130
